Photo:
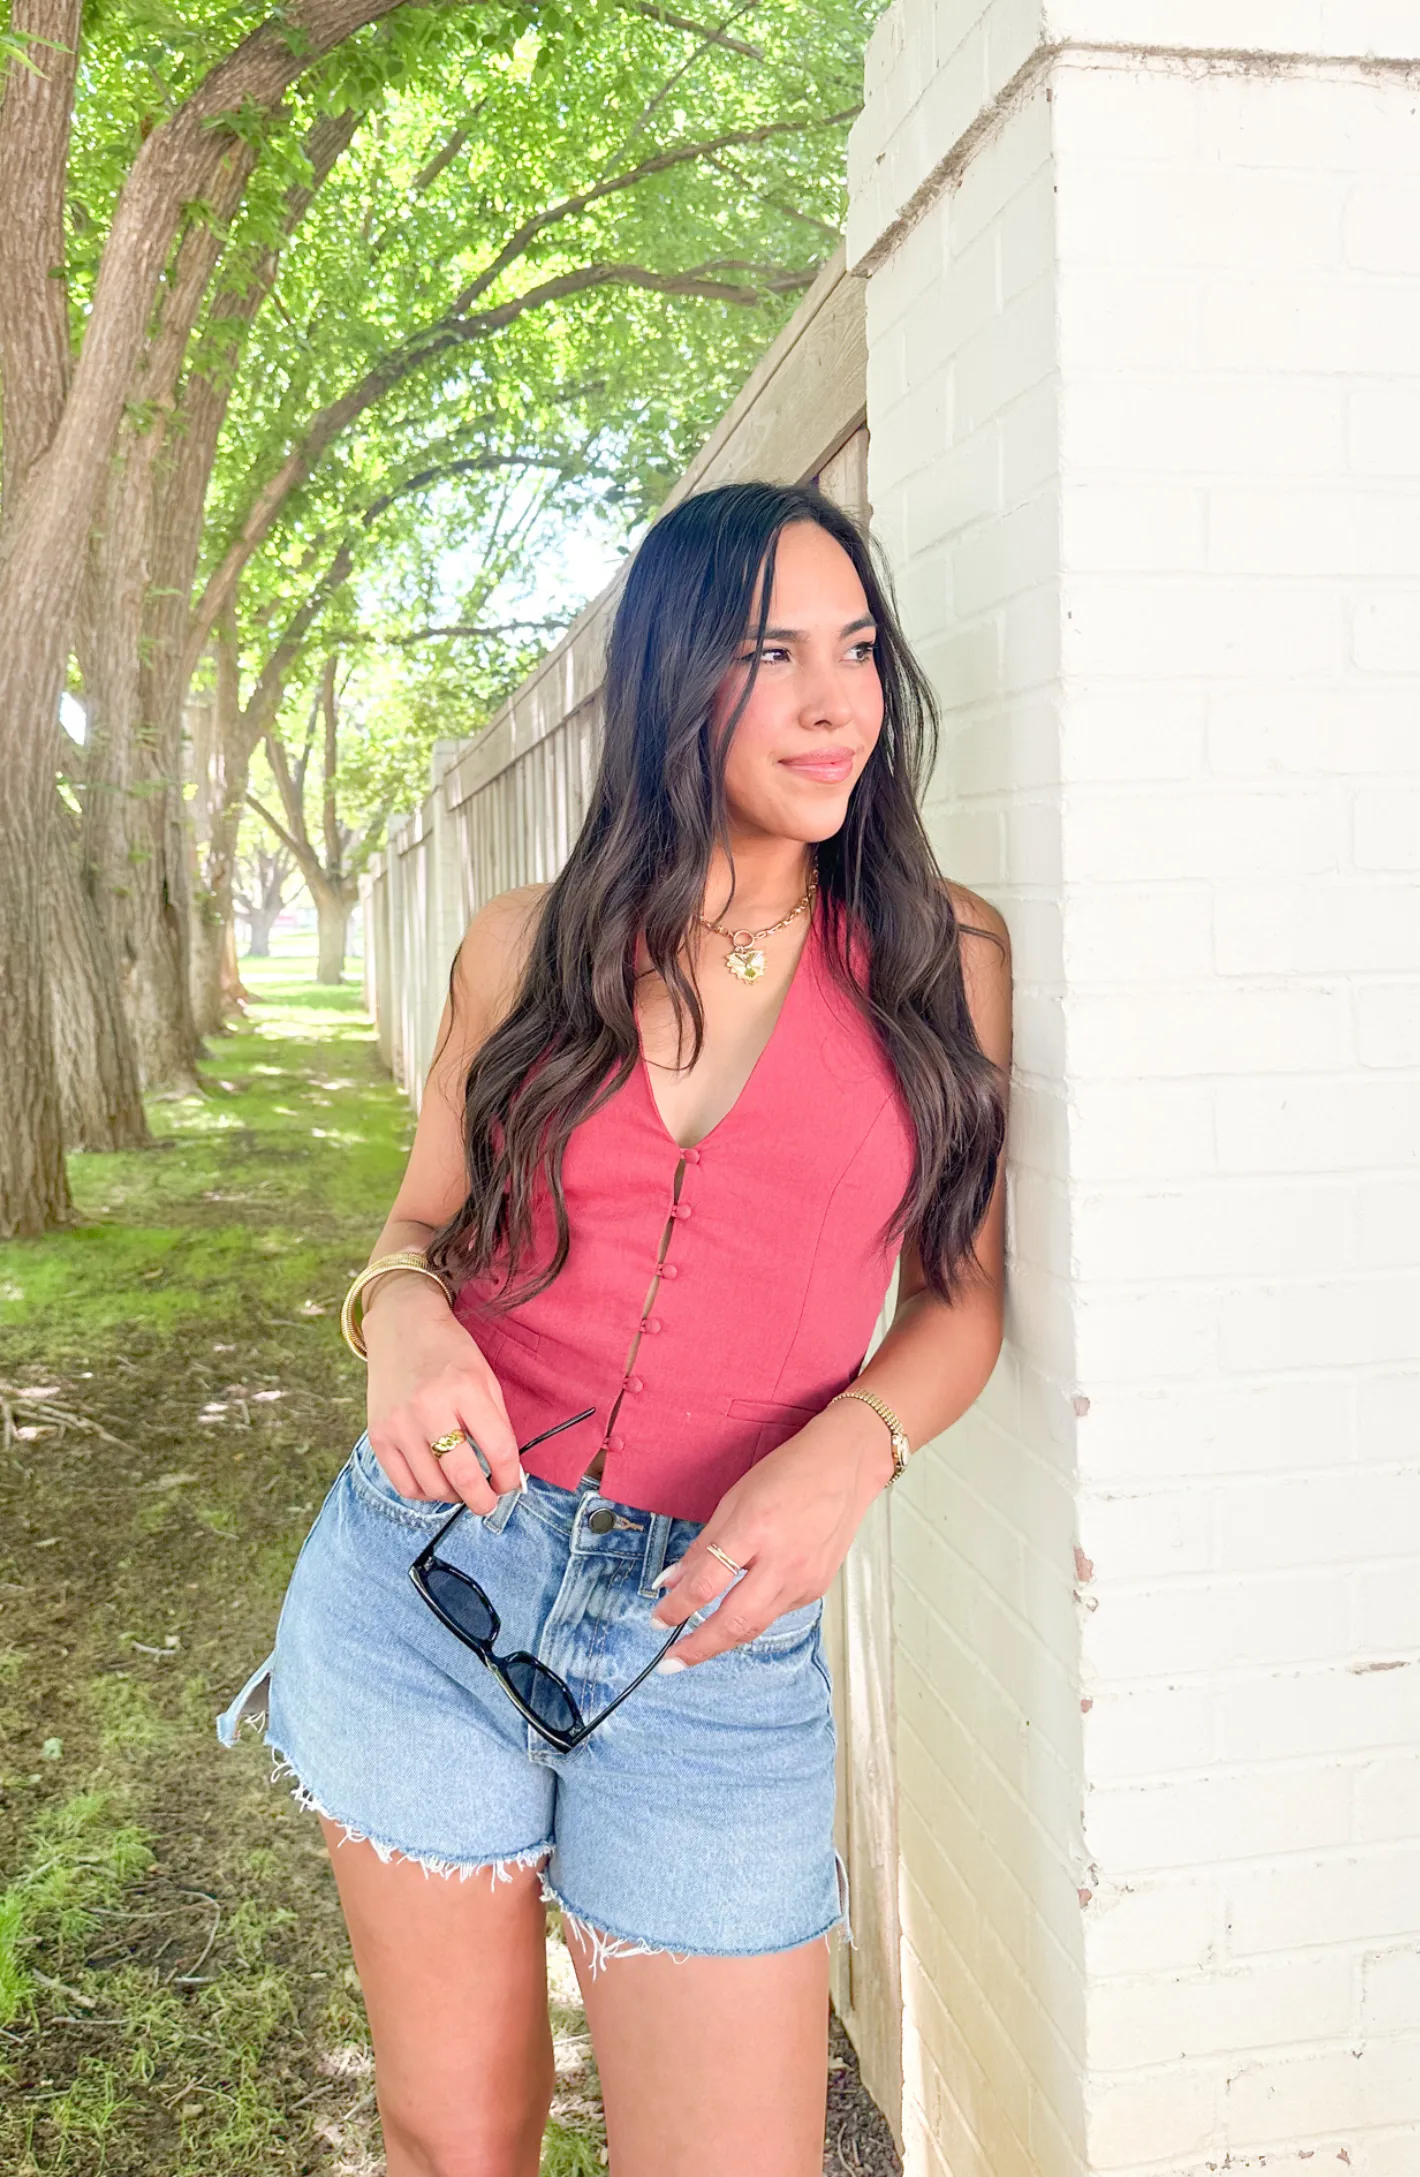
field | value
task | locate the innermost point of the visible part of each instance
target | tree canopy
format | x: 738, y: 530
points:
x: 321, y: 327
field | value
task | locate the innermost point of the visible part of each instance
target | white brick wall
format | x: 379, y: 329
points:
x: 963, y: 407
x: 1144, y: 388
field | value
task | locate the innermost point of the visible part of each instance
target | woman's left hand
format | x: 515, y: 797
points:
x: 788, y: 1523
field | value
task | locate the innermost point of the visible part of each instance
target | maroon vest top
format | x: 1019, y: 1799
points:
x: 775, y: 1265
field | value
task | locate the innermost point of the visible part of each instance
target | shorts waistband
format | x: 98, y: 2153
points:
x: 593, y: 1524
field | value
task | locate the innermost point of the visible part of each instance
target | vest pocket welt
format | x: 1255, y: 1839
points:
x: 498, y: 1331
x: 771, y: 1410
x: 777, y: 1422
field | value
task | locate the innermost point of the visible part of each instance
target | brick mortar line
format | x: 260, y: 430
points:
x: 1009, y: 2038
x: 1198, y: 60
x: 1000, y: 2089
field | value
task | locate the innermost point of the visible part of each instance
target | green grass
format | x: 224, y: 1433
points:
x: 176, y: 1997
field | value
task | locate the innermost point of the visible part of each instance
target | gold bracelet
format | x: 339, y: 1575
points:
x: 901, y: 1449
x: 407, y: 1258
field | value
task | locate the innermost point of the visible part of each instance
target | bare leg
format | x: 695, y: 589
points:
x: 454, y: 1975
x: 711, y: 2064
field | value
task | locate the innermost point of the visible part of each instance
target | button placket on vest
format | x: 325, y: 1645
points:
x: 678, y: 1212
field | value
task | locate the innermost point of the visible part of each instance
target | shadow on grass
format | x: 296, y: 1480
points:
x: 176, y: 1997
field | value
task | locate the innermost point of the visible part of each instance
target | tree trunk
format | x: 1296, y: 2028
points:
x: 180, y: 478
x: 34, y: 1191
x: 100, y: 1102
x: 35, y: 116
x: 217, y: 988
x: 222, y: 750
x: 67, y: 434
x: 260, y: 923
x: 135, y: 860
x: 332, y: 925
x: 209, y: 946
x: 234, y: 990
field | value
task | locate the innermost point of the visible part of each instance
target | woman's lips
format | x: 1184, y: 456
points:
x: 831, y: 765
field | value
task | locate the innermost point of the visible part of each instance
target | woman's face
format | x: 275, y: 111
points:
x: 816, y: 708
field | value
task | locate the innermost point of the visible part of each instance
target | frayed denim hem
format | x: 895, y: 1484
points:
x: 498, y: 1870
x: 601, y: 1946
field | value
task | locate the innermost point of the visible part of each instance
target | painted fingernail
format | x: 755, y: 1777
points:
x: 671, y: 1572
x: 672, y: 1663
x: 522, y: 1479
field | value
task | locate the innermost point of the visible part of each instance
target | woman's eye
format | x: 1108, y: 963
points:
x: 864, y: 650
x: 770, y: 655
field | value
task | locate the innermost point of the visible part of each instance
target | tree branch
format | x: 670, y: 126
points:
x: 456, y: 327
x: 181, y: 162
x: 265, y: 699
x: 428, y: 175
x: 303, y: 854
x: 467, y: 629
x: 697, y: 30
x: 330, y: 825
x: 660, y: 162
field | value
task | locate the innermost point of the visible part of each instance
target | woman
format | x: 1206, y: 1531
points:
x: 689, y: 1104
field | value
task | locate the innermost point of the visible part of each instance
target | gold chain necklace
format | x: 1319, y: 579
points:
x: 745, y: 959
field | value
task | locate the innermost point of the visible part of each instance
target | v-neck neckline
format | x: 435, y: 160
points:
x: 644, y: 1072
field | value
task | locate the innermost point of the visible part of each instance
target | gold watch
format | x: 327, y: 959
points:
x: 897, y: 1434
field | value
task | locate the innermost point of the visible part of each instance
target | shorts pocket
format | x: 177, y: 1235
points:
x: 787, y: 1631
x: 374, y: 1486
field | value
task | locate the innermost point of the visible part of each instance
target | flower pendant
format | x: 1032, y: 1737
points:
x: 746, y: 963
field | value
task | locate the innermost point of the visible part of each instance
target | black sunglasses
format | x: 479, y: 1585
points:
x: 537, y: 1693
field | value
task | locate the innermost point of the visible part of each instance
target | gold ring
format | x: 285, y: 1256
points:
x: 727, y: 1561
x: 451, y: 1440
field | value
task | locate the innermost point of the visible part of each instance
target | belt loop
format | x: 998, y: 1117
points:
x: 495, y: 1521
x: 658, y: 1534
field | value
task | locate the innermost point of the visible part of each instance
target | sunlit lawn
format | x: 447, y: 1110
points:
x: 175, y: 1994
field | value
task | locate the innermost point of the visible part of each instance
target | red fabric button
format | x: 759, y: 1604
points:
x: 668, y: 1269
x: 690, y: 1156
x: 632, y: 1383
x: 616, y: 1443
x: 681, y: 1210
x: 651, y: 1324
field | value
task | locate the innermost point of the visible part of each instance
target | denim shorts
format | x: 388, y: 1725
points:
x: 698, y: 1819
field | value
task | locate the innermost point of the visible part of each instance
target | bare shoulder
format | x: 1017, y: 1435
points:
x: 985, y: 939
x: 493, y: 955
x: 976, y: 917
x: 986, y: 968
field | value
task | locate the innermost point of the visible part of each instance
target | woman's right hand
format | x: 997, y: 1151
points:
x: 427, y: 1377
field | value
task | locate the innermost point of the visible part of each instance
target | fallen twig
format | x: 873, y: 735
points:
x: 62, y: 1988
x: 187, y: 1979
x: 14, y: 1401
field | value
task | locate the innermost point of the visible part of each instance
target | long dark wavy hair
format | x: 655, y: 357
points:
x: 700, y: 580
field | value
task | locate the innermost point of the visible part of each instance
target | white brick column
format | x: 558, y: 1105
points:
x: 1144, y: 394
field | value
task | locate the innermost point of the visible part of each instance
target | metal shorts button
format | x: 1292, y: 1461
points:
x: 602, y: 1520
